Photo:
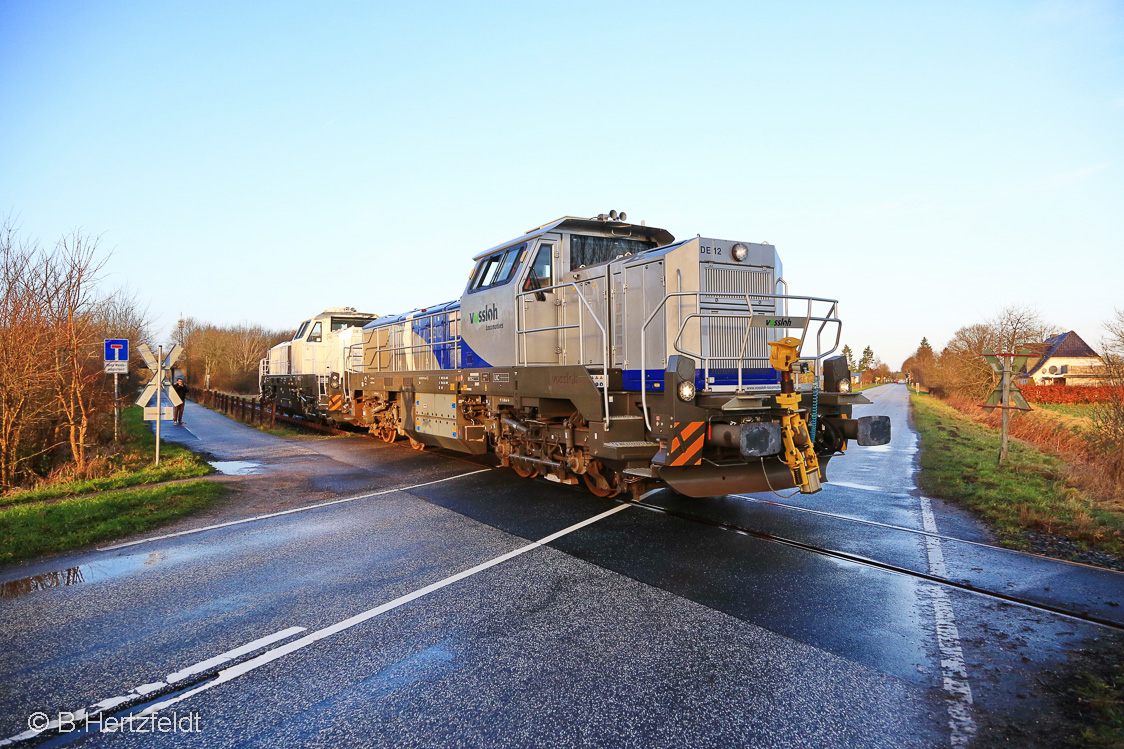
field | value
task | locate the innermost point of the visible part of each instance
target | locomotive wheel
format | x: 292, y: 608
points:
x: 602, y: 484
x: 523, y: 469
x: 388, y: 433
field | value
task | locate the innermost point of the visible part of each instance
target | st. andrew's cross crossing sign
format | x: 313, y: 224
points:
x: 1016, y: 399
x: 158, y: 383
x: 1007, y: 392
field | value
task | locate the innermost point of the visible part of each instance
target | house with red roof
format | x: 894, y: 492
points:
x: 1063, y: 359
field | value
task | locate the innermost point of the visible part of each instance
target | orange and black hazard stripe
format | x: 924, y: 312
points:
x: 686, y: 443
x: 335, y: 402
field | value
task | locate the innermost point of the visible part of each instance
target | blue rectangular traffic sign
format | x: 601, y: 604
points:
x: 117, y: 349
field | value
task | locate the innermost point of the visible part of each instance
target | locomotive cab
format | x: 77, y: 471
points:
x: 308, y: 375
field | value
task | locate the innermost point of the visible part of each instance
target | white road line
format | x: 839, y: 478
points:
x: 288, y: 512
x: 230, y: 655
x: 953, y: 670
x: 79, y: 716
x: 271, y: 655
x: 864, y: 487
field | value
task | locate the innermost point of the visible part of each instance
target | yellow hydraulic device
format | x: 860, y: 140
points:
x: 798, y: 449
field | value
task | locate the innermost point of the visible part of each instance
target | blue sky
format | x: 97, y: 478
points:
x: 926, y: 164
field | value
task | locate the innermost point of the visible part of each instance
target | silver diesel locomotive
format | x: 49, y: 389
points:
x: 607, y: 351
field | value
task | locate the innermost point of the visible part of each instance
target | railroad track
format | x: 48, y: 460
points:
x: 1038, y: 605
x: 250, y: 407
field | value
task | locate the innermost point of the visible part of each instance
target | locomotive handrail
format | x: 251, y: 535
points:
x: 833, y: 311
x: 349, y: 357
x: 521, y: 316
x: 427, y: 346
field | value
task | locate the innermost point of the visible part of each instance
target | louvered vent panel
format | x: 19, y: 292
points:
x: 722, y: 338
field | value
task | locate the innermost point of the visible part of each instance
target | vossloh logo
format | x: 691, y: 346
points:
x: 488, y: 314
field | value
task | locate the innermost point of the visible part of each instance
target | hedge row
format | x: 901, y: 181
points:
x: 1067, y: 393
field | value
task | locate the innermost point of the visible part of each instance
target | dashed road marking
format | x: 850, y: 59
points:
x: 80, y: 715
x: 239, y: 669
x: 953, y: 670
x: 289, y: 512
x: 230, y: 655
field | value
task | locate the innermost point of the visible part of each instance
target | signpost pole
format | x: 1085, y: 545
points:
x: 1007, y: 392
x: 1006, y: 402
x: 159, y: 398
x: 116, y: 409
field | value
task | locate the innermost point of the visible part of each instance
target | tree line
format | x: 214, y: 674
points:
x: 869, y: 367
x: 224, y: 357
x: 56, y: 403
x: 959, y: 372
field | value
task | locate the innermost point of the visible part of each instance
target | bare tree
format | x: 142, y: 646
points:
x: 70, y: 290
x: 1016, y: 327
x: 27, y: 338
x: 1108, y: 415
x: 960, y: 368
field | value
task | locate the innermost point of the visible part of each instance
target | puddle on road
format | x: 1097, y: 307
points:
x: 84, y: 573
x: 235, y: 467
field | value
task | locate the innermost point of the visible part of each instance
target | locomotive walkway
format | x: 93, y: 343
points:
x: 357, y: 593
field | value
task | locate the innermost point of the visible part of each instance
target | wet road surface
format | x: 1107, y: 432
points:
x: 638, y: 629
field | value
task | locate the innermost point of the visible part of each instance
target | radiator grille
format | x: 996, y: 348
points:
x: 725, y: 279
x: 722, y: 337
x: 722, y: 340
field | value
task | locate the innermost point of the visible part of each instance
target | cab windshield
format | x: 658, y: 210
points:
x: 497, y: 268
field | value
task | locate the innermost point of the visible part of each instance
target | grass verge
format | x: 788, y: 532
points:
x: 959, y: 463
x: 132, y: 466
x: 1105, y: 698
x: 29, y: 530
x: 1076, y: 410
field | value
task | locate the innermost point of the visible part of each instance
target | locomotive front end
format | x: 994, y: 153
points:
x: 751, y: 398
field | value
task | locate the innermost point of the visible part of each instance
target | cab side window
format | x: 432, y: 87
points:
x: 314, y: 336
x: 541, y: 276
x: 301, y: 330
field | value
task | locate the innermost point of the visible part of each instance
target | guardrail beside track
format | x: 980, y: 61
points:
x: 252, y: 410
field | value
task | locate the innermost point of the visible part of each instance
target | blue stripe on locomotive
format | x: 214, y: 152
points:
x: 653, y: 378
x: 434, y: 325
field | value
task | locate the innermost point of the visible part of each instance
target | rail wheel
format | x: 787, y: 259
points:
x: 601, y: 481
x: 522, y: 468
x: 388, y: 433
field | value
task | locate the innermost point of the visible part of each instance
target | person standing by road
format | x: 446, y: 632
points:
x: 181, y: 391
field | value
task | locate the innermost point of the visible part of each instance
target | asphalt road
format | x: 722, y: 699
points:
x: 429, y: 614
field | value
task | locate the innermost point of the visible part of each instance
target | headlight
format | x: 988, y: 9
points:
x: 686, y: 391
x: 739, y: 252
x: 844, y: 386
